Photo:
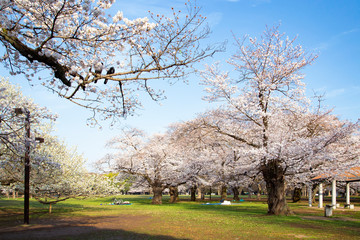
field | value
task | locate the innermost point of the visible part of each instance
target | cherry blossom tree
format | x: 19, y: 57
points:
x: 211, y: 158
x: 97, y: 61
x: 193, y: 148
x: 266, y: 110
x: 153, y: 159
x: 12, y: 133
x: 14, y: 143
x: 334, y: 163
x: 57, y: 172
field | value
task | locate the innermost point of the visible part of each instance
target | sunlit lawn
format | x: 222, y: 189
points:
x: 193, y: 220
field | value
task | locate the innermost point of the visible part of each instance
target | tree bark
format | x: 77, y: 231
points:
x: 236, y: 193
x: 258, y: 195
x: 201, y: 193
x: 193, y: 193
x: 157, y: 197
x: 274, y: 177
x: 241, y: 190
x: 250, y: 194
x: 314, y: 190
x: 296, y: 196
x: 223, y: 192
x: 174, y: 194
x: 356, y: 193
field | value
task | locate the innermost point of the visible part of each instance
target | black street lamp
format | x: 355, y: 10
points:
x: 27, y: 162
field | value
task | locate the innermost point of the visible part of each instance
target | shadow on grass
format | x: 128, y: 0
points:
x: 80, y: 233
x: 12, y: 211
x: 82, y: 228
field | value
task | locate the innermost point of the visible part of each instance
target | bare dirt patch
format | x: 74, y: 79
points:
x: 328, y: 218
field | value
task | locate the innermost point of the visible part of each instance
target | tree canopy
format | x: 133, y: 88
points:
x: 79, y: 44
x: 57, y: 171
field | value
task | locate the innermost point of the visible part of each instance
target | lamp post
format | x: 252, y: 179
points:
x: 27, y: 168
x: 27, y: 162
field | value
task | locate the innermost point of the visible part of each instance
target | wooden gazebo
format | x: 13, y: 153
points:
x: 353, y: 175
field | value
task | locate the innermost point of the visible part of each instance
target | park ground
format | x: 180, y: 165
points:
x: 98, y: 219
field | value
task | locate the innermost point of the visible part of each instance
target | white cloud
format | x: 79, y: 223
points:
x: 329, y: 93
x: 335, y: 93
x: 335, y: 39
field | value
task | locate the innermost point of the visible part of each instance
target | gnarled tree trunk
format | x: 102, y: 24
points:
x: 223, y: 192
x: 157, y: 197
x: 236, y: 193
x: 314, y: 190
x: 250, y: 194
x: 296, y: 196
x: 356, y: 192
x: 193, y: 193
x: 274, y: 177
x: 174, y: 194
x: 201, y: 193
x: 258, y: 195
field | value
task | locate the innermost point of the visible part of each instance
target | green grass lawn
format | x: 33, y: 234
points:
x: 183, y: 220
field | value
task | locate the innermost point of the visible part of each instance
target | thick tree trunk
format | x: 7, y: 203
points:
x: 174, y: 194
x: 356, y: 193
x: 314, y: 190
x: 305, y: 191
x: 258, y: 195
x: 193, y: 193
x: 201, y: 193
x: 157, y: 197
x: 219, y: 191
x: 275, y: 184
x: 296, y: 196
x: 198, y: 195
x: 241, y: 190
x: 250, y: 194
x: 236, y: 193
x: 223, y: 192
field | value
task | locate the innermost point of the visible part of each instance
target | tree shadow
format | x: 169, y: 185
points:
x: 81, y: 228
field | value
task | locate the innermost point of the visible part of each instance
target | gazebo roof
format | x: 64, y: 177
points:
x: 353, y: 175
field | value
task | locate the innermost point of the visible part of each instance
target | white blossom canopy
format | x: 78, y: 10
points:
x: 80, y: 44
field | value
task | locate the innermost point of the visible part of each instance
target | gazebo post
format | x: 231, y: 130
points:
x: 348, y: 193
x: 321, y: 195
x: 333, y: 194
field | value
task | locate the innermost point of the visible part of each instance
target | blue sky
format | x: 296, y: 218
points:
x: 328, y: 27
